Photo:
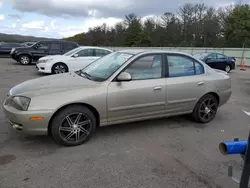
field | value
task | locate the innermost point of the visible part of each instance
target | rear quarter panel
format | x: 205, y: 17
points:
x: 219, y: 82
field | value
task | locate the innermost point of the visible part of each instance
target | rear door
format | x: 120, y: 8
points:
x: 185, y: 83
x: 56, y: 48
x: 221, y: 61
x: 67, y: 46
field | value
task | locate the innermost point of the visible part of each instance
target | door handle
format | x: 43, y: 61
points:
x: 200, y: 83
x: 157, y: 88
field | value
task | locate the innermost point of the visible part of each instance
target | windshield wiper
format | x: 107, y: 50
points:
x: 84, y: 73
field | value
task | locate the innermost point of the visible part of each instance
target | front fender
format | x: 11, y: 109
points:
x: 24, y: 53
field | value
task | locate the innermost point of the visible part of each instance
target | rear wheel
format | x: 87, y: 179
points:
x: 24, y: 59
x: 59, y: 68
x: 205, y: 109
x: 227, y: 68
x: 73, y: 126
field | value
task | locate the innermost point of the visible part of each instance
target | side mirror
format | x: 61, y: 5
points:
x: 124, y: 77
x: 75, y: 55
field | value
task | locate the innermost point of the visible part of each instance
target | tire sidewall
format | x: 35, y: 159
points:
x: 196, y: 113
x: 53, y: 68
x: 62, y: 114
x: 226, y: 68
x: 19, y: 59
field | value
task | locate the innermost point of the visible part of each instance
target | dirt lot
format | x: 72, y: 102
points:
x: 165, y: 153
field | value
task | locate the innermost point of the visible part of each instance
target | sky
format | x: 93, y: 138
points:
x: 64, y: 18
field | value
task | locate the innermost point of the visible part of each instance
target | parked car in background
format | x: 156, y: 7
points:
x: 5, y: 48
x: 217, y: 60
x: 73, y: 60
x: 40, y: 49
x: 123, y: 86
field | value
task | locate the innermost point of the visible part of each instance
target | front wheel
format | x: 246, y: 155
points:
x: 59, y: 68
x: 205, y: 109
x: 24, y: 59
x: 73, y: 126
x: 227, y: 68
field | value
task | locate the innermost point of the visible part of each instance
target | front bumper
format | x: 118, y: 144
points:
x: 14, y: 56
x: 20, y: 120
x: 233, y: 66
x: 43, y: 67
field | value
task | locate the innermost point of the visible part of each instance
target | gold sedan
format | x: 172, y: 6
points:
x: 124, y: 86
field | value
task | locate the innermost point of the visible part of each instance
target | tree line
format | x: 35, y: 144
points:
x: 193, y: 25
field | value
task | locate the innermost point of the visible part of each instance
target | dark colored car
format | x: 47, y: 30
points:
x: 29, y: 43
x: 217, y: 60
x: 5, y: 48
x: 40, y: 49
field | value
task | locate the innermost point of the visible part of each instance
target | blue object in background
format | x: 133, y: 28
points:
x: 233, y: 147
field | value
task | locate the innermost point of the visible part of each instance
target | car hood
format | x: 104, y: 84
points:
x: 52, y: 84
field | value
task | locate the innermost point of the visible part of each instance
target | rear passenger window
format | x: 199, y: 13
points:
x: 86, y: 53
x: 179, y: 66
x: 198, y: 68
x: 101, y: 52
x: 55, y: 46
x: 70, y: 46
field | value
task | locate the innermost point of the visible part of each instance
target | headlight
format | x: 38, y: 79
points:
x: 21, y: 103
x: 45, y: 60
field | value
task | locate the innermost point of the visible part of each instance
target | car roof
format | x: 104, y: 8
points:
x: 57, y: 40
x: 93, y: 47
x: 137, y: 51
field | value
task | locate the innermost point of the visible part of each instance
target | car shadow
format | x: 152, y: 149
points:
x: 161, y: 124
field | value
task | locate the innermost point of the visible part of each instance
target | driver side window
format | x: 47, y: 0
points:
x: 146, y: 67
x: 86, y: 53
x: 212, y: 56
x: 43, y: 46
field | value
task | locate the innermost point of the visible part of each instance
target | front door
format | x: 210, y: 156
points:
x: 212, y: 60
x: 185, y: 83
x: 81, y: 59
x: 40, y: 50
x: 143, y: 96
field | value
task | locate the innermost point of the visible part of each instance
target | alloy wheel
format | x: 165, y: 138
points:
x: 75, y: 127
x: 228, y: 68
x: 24, y: 60
x: 207, y: 109
x: 60, y: 69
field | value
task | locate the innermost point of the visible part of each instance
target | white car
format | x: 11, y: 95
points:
x: 73, y: 60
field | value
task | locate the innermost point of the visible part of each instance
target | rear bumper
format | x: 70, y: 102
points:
x: 233, y: 66
x: 224, y: 96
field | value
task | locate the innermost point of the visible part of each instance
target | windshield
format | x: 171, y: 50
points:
x: 34, y: 44
x: 200, y: 55
x: 104, y: 67
x: 71, y: 52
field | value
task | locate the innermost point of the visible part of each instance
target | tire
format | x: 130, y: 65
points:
x: 59, y: 68
x: 202, y: 114
x: 24, y: 59
x: 76, y: 134
x: 227, y: 68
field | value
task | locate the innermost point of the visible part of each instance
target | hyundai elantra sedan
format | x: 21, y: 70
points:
x: 121, y: 87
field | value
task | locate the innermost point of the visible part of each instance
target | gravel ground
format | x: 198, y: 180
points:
x: 165, y: 153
